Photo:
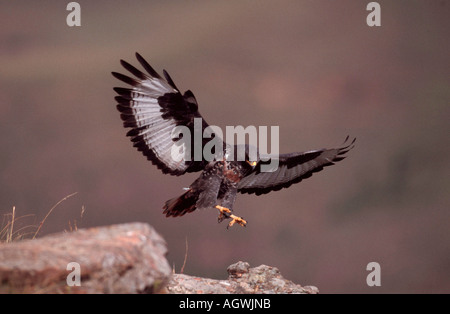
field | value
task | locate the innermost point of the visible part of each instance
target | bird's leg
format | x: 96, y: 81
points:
x: 226, y: 213
x: 223, y: 213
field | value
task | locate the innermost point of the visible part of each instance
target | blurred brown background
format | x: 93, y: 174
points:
x: 312, y: 67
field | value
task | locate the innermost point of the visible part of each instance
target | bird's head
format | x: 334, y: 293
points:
x: 251, y: 155
x: 243, y: 153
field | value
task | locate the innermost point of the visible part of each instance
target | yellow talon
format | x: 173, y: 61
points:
x: 239, y: 220
x: 226, y: 213
x: 223, y: 209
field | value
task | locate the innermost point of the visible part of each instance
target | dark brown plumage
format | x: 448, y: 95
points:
x: 154, y: 106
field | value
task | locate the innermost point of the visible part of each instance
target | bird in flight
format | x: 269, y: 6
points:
x: 152, y: 106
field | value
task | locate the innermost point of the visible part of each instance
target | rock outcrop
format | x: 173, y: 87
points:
x: 127, y: 258
x: 241, y: 279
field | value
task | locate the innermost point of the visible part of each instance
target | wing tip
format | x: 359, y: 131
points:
x: 347, y: 147
x: 169, y: 80
x: 125, y: 79
x: 147, y: 66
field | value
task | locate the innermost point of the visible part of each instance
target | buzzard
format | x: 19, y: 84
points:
x: 152, y: 106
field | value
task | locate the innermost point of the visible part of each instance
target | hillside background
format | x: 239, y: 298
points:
x: 312, y: 67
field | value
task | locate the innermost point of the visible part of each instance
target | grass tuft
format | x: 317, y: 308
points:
x: 10, y: 233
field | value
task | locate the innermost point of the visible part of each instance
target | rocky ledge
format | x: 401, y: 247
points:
x: 126, y: 258
x: 241, y: 279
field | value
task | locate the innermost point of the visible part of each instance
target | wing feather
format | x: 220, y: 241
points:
x: 152, y: 108
x: 292, y: 168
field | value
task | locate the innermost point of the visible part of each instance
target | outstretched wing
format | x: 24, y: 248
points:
x: 152, y: 108
x: 292, y: 168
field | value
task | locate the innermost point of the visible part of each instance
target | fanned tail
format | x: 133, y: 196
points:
x: 181, y: 205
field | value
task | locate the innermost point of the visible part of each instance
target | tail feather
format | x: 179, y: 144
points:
x: 181, y: 205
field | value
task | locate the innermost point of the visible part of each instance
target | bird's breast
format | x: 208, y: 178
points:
x: 232, y: 175
x: 232, y: 172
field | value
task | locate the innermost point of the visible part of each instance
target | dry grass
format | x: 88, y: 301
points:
x: 73, y: 226
x: 50, y: 211
x: 9, y: 232
x: 184, y: 261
